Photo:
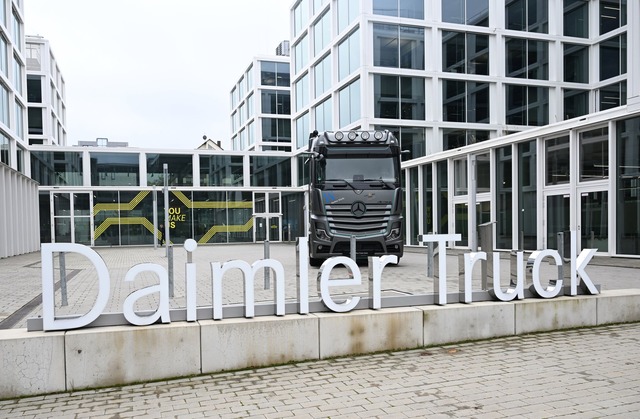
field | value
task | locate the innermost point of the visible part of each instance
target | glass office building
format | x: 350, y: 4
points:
x: 511, y: 113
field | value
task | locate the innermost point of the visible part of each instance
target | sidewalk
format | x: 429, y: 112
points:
x: 584, y: 373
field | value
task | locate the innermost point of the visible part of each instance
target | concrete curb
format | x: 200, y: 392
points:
x: 47, y: 362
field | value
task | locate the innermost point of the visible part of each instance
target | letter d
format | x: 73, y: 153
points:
x: 49, y: 321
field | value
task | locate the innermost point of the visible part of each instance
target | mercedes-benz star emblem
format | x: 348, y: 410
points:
x: 358, y: 209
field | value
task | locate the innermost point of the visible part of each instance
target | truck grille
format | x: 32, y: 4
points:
x: 374, y: 221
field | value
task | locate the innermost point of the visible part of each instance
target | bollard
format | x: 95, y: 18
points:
x: 486, y: 243
x: 267, y: 273
x: 170, y: 268
x: 433, y: 262
x: 63, y: 279
x: 352, y: 247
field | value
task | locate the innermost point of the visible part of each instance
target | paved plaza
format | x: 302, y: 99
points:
x: 583, y: 373
x: 586, y: 373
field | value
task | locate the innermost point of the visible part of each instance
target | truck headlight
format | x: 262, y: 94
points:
x: 322, y: 234
x: 394, y: 234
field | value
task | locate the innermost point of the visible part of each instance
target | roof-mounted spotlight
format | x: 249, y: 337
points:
x: 364, y: 135
x: 378, y: 135
x: 352, y: 135
x: 339, y: 135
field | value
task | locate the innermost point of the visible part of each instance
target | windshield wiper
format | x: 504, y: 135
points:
x: 344, y: 181
x: 381, y: 182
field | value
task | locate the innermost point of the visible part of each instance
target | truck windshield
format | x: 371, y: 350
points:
x: 358, y: 169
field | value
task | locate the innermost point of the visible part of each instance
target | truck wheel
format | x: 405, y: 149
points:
x: 315, y: 262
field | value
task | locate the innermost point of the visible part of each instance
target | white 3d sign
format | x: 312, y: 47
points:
x: 218, y: 270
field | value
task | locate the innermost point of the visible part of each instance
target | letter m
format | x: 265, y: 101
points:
x: 248, y: 276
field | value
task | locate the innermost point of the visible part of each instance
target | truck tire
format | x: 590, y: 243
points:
x: 315, y: 262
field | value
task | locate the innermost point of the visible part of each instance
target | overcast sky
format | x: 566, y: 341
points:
x: 155, y: 73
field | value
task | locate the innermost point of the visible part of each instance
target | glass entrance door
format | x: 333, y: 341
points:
x: 267, y: 216
x: 594, y: 220
x: 558, y: 218
x: 72, y: 220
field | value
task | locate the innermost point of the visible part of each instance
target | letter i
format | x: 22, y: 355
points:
x: 190, y: 246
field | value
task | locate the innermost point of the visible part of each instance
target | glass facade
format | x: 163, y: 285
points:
x: 399, y: 97
x: 398, y: 46
x: 466, y: 12
x: 179, y: 169
x: 465, y: 53
x: 115, y: 169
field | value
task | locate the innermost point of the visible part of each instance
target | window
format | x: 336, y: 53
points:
x: 527, y: 58
x: 302, y: 92
x: 34, y: 89
x: 576, y: 103
x: 274, y: 74
x: 302, y: 130
x: 465, y: 53
x: 398, y: 46
x: 349, y: 104
x: 17, y: 74
x: 557, y: 159
x: 322, y: 73
x: 613, y: 15
x: 613, y: 95
x: 115, y: 169
x: 466, y: 12
x: 527, y: 15
x: 628, y: 186
x: 19, y: 126
x: 576, y: 18
x: 270, y: 171
x: 276, y: 102
x: 399, y: 8
x: 4, y: 105
x: 349, y: 55
x: 3, y: 56
x: 300, y: 16
x: 324, y: 116
x: 4, y: 150
x: 347, y: 12
x: 301, y: 54
x: 318, y: 4
x: 35, y: 121
x: 17, y: 32
x: 456, y: 138
x: 412, y: 140
x: 216, y: 170
x: 180, y: 169
x: 275, y: 130
x: 576, y: 63
x: 527, y: 105
x: 465, y: 101
x: 594, y: 155
x: 613, y: 57
x: 399, y: 97
x: 322, y: 33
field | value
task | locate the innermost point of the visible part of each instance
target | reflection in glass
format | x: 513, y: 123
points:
x: 558, y: 218
x: 427, y: 199
x: 527, y: 196
x: 504, y: 189
x: 576, y: 63
x: 220, y: 170
x: 627, y: 212
x: 115, y: 169
x: 270, y: 171
x: 594, y: 155
x: 576, y: 103
x: 594, y: 227
x: 179, y: 170
x: 442, y: 220
x: 557, y: 160
x: 576, y: 18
